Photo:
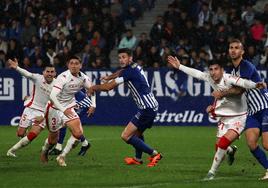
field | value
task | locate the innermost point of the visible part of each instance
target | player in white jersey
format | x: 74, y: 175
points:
x: 34, y: 105
x: 61, y: 111
x: 257, y: 101
x: 232, y: 111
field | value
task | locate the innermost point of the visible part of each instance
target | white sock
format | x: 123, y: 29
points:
x: 229, y: 149
x: 218, y: 157
x: 71, y: 143
x: 85, y: 143
x: 46, y: 147
x: 20, y: 144
x: 155, y: 152
x: 58, y: 146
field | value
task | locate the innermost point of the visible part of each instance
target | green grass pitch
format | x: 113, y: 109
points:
x: 187, y: 151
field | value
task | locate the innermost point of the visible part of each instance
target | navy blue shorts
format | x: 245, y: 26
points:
x: 258, y: 120
x: 144, y: 119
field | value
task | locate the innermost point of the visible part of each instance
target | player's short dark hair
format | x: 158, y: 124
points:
x: 74, y: 57
x: 125, y: 50
x: 214, y: 62
x: 237, y: 41
x: 49, y: 66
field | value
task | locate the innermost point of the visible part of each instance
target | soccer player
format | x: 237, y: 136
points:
x: 34, y: 105
x: 257, y: 102
x: 132, y: 74
x: 232, y: 111
x: 83, y: 103
x: 61, y: 111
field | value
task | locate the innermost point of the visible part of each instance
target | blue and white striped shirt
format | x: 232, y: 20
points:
x: 257, y: 100
x: 83, y: 102
x: 138, y: 84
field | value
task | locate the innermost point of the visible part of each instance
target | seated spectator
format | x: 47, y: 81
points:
x: 128, y: 41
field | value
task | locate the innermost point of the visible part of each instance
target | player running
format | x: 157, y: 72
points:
x: 61, y: 111
x: 34, y: 105
x: 257, y: 102
x: 133, y: 75
x: 232, y: 110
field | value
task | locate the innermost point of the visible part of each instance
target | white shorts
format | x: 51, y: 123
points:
x: 55, y: 119
x: 235, y: 123
x: 28, y: 117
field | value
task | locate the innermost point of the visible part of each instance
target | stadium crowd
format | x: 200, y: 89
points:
x: 40, y: 32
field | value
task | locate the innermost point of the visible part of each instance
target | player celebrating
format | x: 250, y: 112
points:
x: 231, y: 110
x: 61, y: 111
x: 133, y: 75
x: 257, y: 101
x: 34, y: 105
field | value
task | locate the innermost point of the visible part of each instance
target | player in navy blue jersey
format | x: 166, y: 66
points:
x: 257, y: 101
x: 83, y: 103
x: 133, y: 75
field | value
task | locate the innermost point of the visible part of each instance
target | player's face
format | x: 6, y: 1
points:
x: 124, y: 59
x: 49, y: 73
x: 236, y: 50
x: 216, y: 72
x: 74, y: 66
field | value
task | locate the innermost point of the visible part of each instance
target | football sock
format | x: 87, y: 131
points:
x: 138, y: 143
x: 229, y: 149
x: 219, y: 155
x: 58, y: 146
x: 83, y: 140
x: 47, y: 146
x: 138, y: 151
x: 71, y: 143
x: 260, y: 155
x: 217, y: 160
x: 23, y: 142
x: 62, y: 135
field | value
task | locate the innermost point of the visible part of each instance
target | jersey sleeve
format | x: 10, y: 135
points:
x: 87, y: 82
x: 27, y: 74
x: 60, y: 81
x: 237, y: 81
x: 194, y: 73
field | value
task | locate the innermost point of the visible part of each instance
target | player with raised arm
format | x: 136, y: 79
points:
x: 61, y: 111
x: 232, y: 110
x: 257, y: 102
x: 35, y: 105
x: 133, y: 75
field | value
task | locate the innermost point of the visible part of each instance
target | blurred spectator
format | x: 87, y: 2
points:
x: 14, y: 50
x: 28, y: 30
x: 2, y: 59
x: 157, y: 30
x: 62, y: 42
x: 204, y: 15
x: 128, y: 41
x: 3, y: 45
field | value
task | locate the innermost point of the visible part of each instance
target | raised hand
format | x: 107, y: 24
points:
x: 174, y: 62
x: 13, y: 64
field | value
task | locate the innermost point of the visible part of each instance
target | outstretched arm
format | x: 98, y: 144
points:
x: 190, y: 71
x: 13, y: 64
x: 112, y: 76
x: 103, y: 87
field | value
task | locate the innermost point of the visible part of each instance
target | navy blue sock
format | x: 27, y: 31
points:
x: 137, y: 143
x: 82, y: 138
x: 138, y: 151
x: 260, y: 155
x: 62, y: 135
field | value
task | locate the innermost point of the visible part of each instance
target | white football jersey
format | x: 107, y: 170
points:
x: 40, y: 93
x: 228, y: 106
x: 69, y: 85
